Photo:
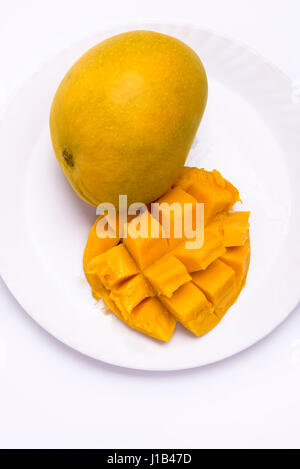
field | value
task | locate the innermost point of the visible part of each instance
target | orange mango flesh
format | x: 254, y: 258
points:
x: 151, y: 283
x: 236, y: 229
x: 238, y: 258
x: 93, y: 248
x: 131, y: 293
x: 113, y: 266
x: 172, y: 208
x: 191, y: 307
x: 209, y: 188
x: 152, y: 318
x: 198, y: 259
x: 167, y: 275
x: 149, y: 317
x: 146, y: 250
x: 218, y: 283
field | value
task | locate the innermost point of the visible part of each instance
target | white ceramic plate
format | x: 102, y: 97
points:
x: 250, y: 132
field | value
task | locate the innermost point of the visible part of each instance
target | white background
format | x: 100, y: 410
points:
x: 51, y: 396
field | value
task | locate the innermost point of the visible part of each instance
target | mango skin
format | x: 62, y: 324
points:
x: 125, y: 115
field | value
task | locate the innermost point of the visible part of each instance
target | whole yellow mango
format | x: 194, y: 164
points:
x: 124, y: 117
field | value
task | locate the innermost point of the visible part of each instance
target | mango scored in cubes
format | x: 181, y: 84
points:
x: 151, y: 283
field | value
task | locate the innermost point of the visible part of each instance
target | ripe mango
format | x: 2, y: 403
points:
x: 125, y: 115
x: 150, y: 283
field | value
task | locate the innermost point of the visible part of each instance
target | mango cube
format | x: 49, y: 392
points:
x: 167, y: 275
x: 210, y: 188
x: 238, y: 258
x: 216, y: 225
x: 174, y: 207
x: 95, y: 246
x: 145, y: 249
x: 113, y: 266
x: 218, y: 283
x: 190, y: 306
x: 152, y: 318
x: 200, y: 259
x: 130, y: 293
x: 236, y: 229
x: 204, y: 323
